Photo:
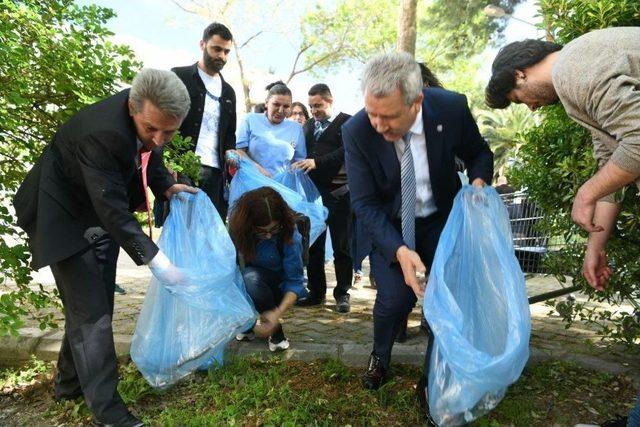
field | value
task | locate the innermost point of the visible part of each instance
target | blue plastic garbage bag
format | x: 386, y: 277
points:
x: 477, y: 307
x: 299, y: 182
x: 248, y: 178
x: 184, y: 327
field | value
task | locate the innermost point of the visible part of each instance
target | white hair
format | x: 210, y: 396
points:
x: 163, y: 89
x: 384, y: 73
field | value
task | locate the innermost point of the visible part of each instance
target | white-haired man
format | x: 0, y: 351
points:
x: 400, y: 159
x: 76, y: 206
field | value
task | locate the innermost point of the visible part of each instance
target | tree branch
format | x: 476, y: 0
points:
x: 249, y: 39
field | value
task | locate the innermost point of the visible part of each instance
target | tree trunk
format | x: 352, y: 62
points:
x: 243, y: 80
x: 407, y: 27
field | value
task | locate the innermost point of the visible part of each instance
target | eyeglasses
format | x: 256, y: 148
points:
x: 263, y: 232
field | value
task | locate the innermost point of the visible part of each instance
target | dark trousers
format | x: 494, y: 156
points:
x: 212, y: 182
x: 263, y: 286
x: 394, y: 299
x: 87, y: 360
x: 339, y: 222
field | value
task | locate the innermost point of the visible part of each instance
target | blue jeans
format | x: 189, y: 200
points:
x: 263, y: 286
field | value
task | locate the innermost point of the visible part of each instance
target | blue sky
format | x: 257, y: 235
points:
x: 164, y: 36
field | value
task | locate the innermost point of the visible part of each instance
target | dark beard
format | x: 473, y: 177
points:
x: 212, y: 66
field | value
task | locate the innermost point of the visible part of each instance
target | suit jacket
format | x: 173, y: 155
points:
x: 86, y: 184
x: 373, y: 169
x: 193, y: 121
x: 328, y: 151
x: 603, y: 96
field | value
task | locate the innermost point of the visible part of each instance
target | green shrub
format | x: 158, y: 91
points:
x: 55, y: 58
x: 557, y: 158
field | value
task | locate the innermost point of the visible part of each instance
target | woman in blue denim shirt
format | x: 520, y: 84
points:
x: 263, y: 229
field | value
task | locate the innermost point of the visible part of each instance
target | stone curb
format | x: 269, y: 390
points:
x: 46, y: 345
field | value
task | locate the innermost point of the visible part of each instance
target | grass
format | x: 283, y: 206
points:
x: 251, y: 391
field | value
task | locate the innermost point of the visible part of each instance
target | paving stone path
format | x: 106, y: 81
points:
x: 319, y: 331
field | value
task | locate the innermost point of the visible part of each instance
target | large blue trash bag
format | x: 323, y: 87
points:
x: 477, y: 307
x: 299, y: 182
x: 184, y: 327
x: 248, y: 178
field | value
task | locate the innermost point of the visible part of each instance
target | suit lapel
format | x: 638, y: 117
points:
x: 434, y: 136
x: 387, y: 157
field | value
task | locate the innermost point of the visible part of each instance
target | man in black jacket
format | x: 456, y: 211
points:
x: 76, y: 206
x: 325, y: 165
x: 211, y: 121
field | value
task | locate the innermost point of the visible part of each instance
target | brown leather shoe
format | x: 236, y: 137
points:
x: 375, y: 375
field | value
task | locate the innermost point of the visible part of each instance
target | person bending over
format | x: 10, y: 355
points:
x: 269, y: 247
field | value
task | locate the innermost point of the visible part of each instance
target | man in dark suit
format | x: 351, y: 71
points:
x: 211, y: 121
x: 400, y: 152
x: 76, y: 206
x: 325, y: 165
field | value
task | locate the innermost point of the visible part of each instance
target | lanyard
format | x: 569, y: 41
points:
x: 212, y: 96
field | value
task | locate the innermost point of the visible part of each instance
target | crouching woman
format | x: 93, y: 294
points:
x: 264, y: 231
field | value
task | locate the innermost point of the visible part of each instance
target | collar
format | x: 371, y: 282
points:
x: 329, y: 119
x: 417, y: 128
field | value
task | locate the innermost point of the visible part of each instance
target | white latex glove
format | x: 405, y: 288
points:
x: 165, y: 271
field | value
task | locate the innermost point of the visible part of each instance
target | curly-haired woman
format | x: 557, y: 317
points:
x: 264, y: 231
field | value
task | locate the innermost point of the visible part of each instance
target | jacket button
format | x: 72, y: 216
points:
x: 94, y: 236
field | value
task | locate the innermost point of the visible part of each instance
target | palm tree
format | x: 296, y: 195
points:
x: 503, y: 129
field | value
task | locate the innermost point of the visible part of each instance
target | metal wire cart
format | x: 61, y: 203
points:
x: 530, y: 245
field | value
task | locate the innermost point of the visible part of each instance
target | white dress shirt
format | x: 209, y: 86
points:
x: 425, y: 204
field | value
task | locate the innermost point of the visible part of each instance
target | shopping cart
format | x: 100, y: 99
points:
x: 531, y: 245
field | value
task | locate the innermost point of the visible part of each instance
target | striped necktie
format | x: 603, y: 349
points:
x: 408, y: 194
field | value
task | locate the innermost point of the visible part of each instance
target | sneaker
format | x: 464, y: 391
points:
x: 357, y: 278
x: 279, y: 346
x: 342, y: 304
x: 249, y: 336
x: 119, y: 290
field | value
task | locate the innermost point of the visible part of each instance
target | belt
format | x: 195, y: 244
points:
x: 340, y: 191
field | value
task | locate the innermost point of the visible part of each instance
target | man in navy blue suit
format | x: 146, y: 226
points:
x: 400, y: 159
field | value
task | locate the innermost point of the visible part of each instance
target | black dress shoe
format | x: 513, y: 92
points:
x: 128, y: 420
x: 619, y: 421
x: 423, y: 400
x: 69, y: 396
x: 375, y: 375
x: 342, y: 304
x: 310, y: 302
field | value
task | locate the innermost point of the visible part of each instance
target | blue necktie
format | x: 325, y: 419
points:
x: 408, y: 194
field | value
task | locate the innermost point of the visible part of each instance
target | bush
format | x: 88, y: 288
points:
x: 55, y: 58
x: 557, y: 158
